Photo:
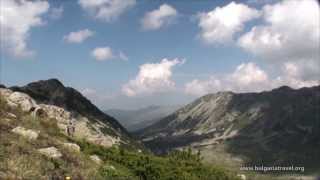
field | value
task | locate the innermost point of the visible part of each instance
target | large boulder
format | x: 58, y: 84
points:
x: 50, y: 152
x: 27, y: 133
x: 26, y: 103
x: 72, y: 146
x: 5, y: 92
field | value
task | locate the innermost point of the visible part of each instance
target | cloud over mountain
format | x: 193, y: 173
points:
x: 152, y: 78
x: 289, y: 36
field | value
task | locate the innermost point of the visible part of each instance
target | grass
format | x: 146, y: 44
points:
x: 19, y: 157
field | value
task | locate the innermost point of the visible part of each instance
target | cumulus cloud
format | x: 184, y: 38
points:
x: 152, y: 78
x: 248, y: 77
x: 78, y: 36
x: 220, y: 24
x: 106, y: 10
x: 56, y: 12
x: 103, y: 53
x: 107, y: 53
x: 290, y: 34
x: 17, y: 17
x: 159, y: 17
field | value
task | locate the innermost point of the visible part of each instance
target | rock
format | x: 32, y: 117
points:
x: 6, y: 120
x: 26, y: 103
x: 50, y: 152
x: 27, y: 133
x: 10, y: 115
x: 242, y: 176
x: 72, y: 146
x: 112, y: 167
x: 96, y: 159
x: 5, y: 92
x: 39, y: 112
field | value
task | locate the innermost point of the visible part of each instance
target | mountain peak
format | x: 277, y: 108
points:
x: 50, y: 84
x: 53, y: 92
x: 283, y: 88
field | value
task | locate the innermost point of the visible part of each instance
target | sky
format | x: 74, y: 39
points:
x: 130, y: 54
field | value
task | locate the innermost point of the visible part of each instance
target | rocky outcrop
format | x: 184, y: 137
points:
x: 53, y: 92
x: 26, y: 103
x: 72, y: 146
x: 10, y: 115
x: 27, y: 133
x: 50, y: 152
x: 75, y: 114
x: 70, y: 122
x: 96, y: 159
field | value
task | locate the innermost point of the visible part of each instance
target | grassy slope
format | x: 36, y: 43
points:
x: 19, y: 157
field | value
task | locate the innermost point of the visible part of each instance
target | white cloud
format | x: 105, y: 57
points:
x: 103, y: 53
x: 159, y: 17
x: 17, y: 17
x: 56, y: 12
x: 106, y: 10
x: 107, y: 53
x: 248, y: 78
x: 220, y: 24
x: 78, y: 36
x: 152, y: 78
x: 290, y: 34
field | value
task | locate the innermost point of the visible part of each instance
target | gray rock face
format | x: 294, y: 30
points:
x: 70, y: 108
x: 273, y: 124
x: 53, y: 92
x: 72, y: 146
x: 75, y: 115
x: 23, y: 100
x: 27, y: 133
x: 50, y: 152
x: 96, y: 159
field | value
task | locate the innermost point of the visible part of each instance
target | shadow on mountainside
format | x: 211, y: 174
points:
x: 287, y: 133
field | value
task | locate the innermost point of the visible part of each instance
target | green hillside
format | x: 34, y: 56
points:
x: 21, y: 157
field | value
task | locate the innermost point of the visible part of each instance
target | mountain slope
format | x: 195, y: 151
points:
x: 276, y: 126
x: 134, y: 120
x: 35, y: 145
x: 52, y: 91
x: 88, y: 120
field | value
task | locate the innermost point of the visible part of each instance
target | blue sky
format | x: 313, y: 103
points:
x: 183, y: 63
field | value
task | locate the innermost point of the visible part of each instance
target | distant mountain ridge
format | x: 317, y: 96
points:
x: 137, y: 119
x: 277, y: 125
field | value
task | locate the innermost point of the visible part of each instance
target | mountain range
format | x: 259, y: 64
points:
x: 49, y: 131
x: 277, y: 127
